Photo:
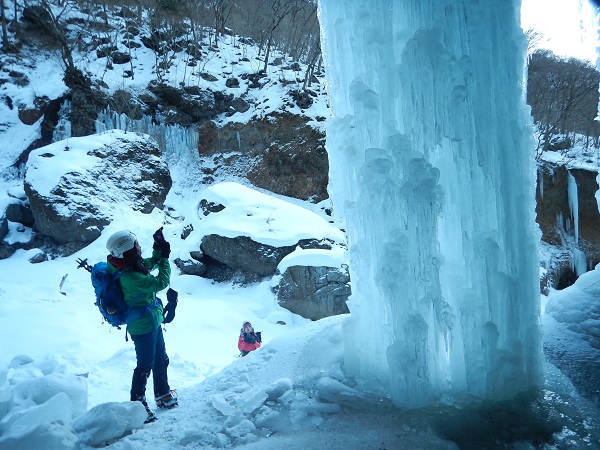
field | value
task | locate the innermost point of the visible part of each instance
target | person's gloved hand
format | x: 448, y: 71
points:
x: 169, y: 312
x: 165, y: 249
x: 159, y: 239
x: 161, y: 244
x: 258, y: 336
x: 249, y: 338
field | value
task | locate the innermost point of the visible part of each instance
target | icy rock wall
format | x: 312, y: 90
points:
x: 431, y: 165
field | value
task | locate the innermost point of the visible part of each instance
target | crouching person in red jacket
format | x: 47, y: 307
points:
x: 248, y: 340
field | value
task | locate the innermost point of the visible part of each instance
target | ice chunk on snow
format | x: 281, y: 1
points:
x: 222, y: 405
x: 278, y: 387
x: 5, y: 393
x: 51, y: 436
x: 267, y: 418
x: 41, y: 389
x: 109, y: 421
x: 20, y: 360
x: 58, y: 409
x: 253, y: 400
x: 241, y: 429
x: 336, y: 392
x: 218, y: 440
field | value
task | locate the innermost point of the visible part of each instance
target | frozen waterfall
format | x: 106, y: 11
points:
x: 431, y: 158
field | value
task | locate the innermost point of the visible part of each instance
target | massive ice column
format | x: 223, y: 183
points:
x: 432, y: 167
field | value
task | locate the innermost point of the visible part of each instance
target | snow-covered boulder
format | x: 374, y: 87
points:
x: 243, y: 254
x: 190, y: 266
x: 577, y: 307
x: 3, y: 226
x: 75, y: 186
x: 19, y: 212
x: 246, y: 234
x: 312, y: 290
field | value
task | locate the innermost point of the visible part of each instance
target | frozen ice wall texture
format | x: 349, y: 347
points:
x: 432, y: 167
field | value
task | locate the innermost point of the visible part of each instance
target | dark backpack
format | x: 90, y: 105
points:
x: 109, y: 295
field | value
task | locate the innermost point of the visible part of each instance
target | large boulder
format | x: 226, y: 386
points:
x: 187, y: 105
x: 75, y: 186
x: 314, y: 292
x: 5, y: 249
x: 250, y: 259
x: 246, y: 234
x: 241, y: 253
x: 190, y: 266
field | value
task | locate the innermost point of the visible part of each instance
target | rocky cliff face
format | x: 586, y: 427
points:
x: 283, y: 153
x: 555, y: 217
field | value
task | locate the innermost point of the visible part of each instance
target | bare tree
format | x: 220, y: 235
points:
x: 312, y: 62
x: 222, y: 10
x: 534, y: 39
x: 52, y: 25
x: 277, y: 11
x: 563, y: 95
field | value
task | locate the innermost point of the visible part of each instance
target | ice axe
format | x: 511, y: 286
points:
x: 60, y: 286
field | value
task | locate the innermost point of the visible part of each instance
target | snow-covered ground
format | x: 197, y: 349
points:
x: 59, y: 361
x: 65, y: 376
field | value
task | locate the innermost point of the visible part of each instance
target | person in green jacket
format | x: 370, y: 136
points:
x: 140, y: 287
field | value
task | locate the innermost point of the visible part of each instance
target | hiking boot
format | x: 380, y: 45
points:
x: 167, y: 401
x: 151, y: 415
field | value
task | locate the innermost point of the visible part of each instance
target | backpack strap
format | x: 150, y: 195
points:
x: 116, y: 277
x: 148, y: 310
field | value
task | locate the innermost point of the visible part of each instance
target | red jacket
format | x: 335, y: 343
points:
x: 247, y: 342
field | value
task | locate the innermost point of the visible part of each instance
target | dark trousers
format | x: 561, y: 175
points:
x: 152, y: 357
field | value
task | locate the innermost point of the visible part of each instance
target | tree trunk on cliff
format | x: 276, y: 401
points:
x: 310, y: 69
x: 280, y: 10
x: 5, y: 43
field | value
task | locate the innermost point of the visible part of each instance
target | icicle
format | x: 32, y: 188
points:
x: 432, y: 170
x: 578, y: 262
x: 573, y: 203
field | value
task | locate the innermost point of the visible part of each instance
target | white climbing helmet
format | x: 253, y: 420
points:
x: 120, y: 242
